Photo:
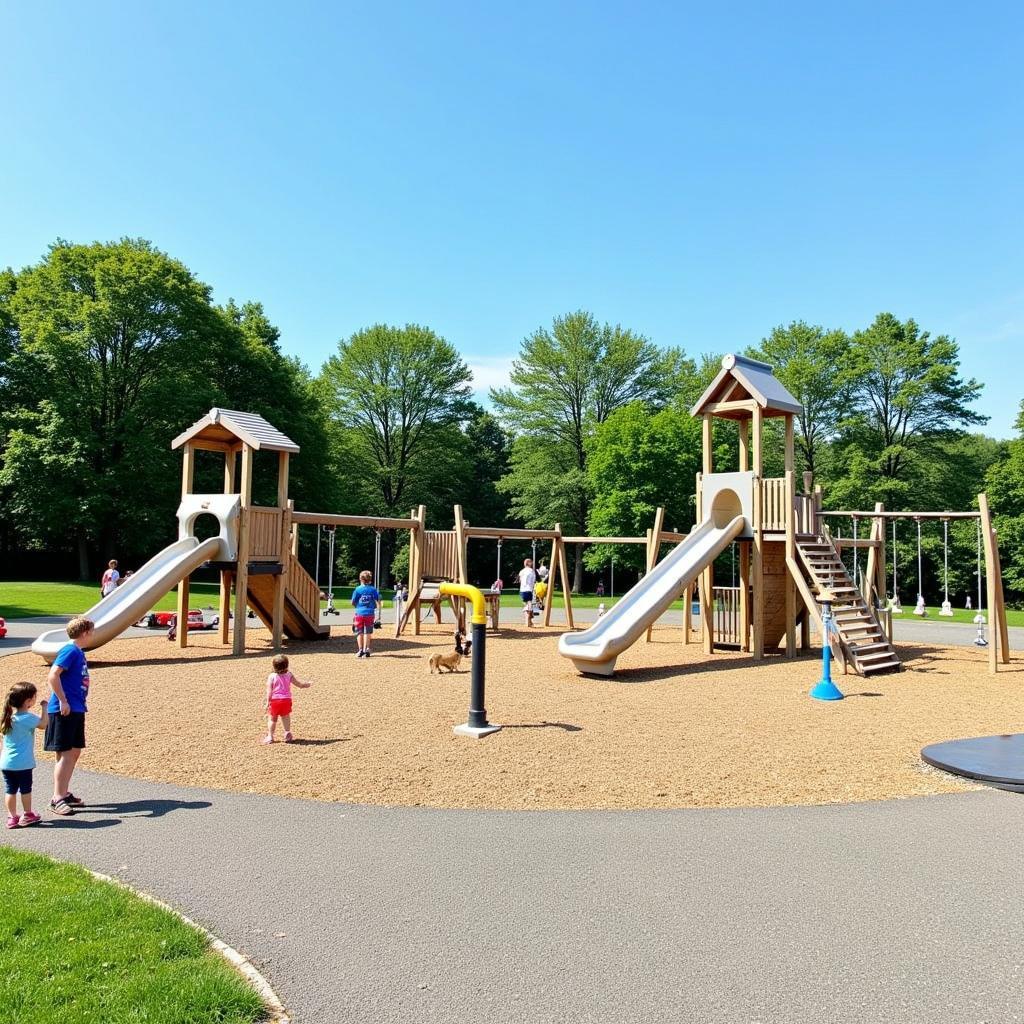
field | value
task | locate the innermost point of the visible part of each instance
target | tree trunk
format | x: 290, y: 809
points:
x: 577, y: 576
x: 83, y: 558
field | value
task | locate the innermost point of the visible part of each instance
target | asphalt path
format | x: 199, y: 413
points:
x: 901, y: 911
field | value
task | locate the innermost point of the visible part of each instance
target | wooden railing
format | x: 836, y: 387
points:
x: 773, y: 503
x: 806, y: 514
x: 727, y: 615
x: 303, y: 591
x: 264, y: 534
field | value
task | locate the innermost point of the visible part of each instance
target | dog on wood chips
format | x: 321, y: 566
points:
x: 451, y: 661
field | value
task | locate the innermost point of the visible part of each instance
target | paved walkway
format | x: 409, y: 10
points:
x: 904, y: 911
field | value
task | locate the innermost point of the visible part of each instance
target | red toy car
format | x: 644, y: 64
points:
x: 3, y: 629
x: 162, y: 620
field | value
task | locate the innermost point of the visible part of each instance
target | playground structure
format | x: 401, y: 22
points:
x: 787, y: 554
x: 788, y: 558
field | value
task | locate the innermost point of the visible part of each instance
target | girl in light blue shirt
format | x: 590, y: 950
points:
x: 18, y: 726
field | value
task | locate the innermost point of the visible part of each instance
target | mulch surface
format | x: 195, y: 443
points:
x: 672, y: 729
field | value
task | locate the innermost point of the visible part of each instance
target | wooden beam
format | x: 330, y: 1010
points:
x: 188, y: 466
x: 790, y: 445
x: 281, y: 580
x: 360, y: 522
x: 743, y: 430
x: 739, y: 405
x: 654, y: 549
x: 230, y: 459
x: 898, y: 515
x: 512, y: 533
x: 282, y: 483
x: 224, y: 607
x: 745, y: 622
x: 604, y: 540
x: 460, y: 540
x: 758, y: 428
x: 566, y: 585
x: 707, y: 445
x: 789, y: 583
x: 991, y: 578
x: 242, y: 572
x: 870, y: 578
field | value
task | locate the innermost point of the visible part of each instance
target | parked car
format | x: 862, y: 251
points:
x: 163, y: 620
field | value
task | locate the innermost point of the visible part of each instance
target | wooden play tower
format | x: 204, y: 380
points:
x: 788, y: 560
x: 266, y: 576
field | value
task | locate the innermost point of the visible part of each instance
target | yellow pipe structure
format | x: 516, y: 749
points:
x: 473, y: 594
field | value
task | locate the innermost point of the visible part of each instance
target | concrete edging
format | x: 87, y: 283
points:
x: 242, y: 964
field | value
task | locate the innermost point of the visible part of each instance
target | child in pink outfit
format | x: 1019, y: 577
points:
x: 279, y: 698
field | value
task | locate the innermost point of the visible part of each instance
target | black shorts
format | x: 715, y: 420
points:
x: 526, y: 596
x: 17, y: 781
x: 65, y: 732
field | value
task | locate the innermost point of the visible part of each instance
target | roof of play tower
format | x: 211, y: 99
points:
x: 743, y: 380
x: 221, y: 429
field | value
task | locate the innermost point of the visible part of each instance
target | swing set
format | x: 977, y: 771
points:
x: 873, y: 583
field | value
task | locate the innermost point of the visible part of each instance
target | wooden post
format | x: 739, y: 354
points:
x: 790, y: 547
x: 743, y: 429
x: 552, y: 582
x: 563, y: 561
x: 460, y: 542
x: 871, y: 573
x: 687, y: 612
x: 281, y: 579
x: 654, y: 549
x: 242, y: 570
x: 708, y: 437
x: 224, y: 604
x: 188, y: 465
x: 790, y: 456
x: 998, y: 636
x: 757, y: 568
x: 744, y: 596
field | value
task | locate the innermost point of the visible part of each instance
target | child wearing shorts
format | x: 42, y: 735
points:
x: 17, y: 759
x: 366, y: 601
x: 65, y: 727
x: 279, y: 698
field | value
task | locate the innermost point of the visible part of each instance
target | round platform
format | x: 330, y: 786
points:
x: 995, y: 760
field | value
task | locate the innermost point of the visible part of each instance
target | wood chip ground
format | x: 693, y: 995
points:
x: 673, y: 728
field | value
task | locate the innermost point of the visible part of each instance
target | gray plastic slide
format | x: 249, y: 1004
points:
x: 137, y: 595
x: 594, y: 650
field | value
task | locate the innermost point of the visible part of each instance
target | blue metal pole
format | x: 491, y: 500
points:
x: 826, y: 689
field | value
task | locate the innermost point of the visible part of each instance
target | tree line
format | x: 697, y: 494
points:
x: 108, y: 350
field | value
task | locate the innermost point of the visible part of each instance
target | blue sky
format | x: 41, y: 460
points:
x: 698, y: 173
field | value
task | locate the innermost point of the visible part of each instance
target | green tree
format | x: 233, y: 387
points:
x: 565, y: 383
x: 1005, y: 486
x: 111, y: 352
x: 638, y: 460
x: 908, y: 401
x: 810, y: 362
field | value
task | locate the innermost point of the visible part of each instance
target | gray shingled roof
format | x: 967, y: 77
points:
x: 758, y: 380
x: 248, y: 427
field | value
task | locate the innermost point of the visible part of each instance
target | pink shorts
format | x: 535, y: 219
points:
x: 281, y: 706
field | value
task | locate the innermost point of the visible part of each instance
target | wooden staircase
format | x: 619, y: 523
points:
x: 860, y: 633
x: 301, y: 603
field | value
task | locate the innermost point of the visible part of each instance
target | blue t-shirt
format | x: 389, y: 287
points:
x: 74, y: 677
x: 18, y: 751
x: 364, y: 599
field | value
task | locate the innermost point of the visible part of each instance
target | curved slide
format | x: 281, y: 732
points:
x: 594, y: 650
x: 137, y: 595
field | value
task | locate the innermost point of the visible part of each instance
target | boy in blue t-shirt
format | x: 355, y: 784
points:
x: 366, y: 601
x: 65, y: 728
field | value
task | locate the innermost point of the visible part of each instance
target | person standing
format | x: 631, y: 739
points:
x: 65, y: 726
x: 108, y: 584
x: 366, y: 601
x: 527, y: 581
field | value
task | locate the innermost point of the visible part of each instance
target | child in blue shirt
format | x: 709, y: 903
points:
x: 65, y: 730
x: 18, y: 757
x: 366, y: 601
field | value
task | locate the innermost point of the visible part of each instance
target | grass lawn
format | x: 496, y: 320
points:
x: 76, y: 949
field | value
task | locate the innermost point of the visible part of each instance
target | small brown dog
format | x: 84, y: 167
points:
x: 451, y: 661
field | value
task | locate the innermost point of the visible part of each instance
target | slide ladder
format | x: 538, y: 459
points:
x: 301, y: 603
x: 860, y: 633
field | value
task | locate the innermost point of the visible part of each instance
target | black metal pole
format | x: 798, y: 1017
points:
x: 477, y: 710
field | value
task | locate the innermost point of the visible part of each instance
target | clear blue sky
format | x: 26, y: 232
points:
x: 698, y: 174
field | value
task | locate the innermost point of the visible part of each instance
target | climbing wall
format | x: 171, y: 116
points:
x: 775, y: 576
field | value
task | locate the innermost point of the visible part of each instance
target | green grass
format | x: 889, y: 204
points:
x: 76, y: 949
x: 1013, y: 618
x: 20, y: 600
